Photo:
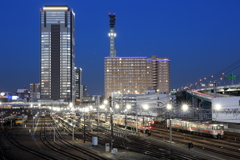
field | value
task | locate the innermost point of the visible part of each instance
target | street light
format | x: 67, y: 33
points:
x: 84, y: 139
x: 145, y: 107
x: 2, y: 114
x: 102, y: 107
x: 39, y: 106
x: 105, y: 102
x: 128, y: 107
x: 218, y: 107
x: 184, y: 107
x: 70, y: 104
x: 169, y: 107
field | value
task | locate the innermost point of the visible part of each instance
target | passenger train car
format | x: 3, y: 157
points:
x: 7, y: 119
x: 21, y: 119
x: 215, y: 130
x: 144, y: 124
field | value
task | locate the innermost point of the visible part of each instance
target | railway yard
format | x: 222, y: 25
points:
x: 52, y: 137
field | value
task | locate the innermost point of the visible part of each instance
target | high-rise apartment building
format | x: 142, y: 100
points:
x: 135, y: 75
x: 57, y: 52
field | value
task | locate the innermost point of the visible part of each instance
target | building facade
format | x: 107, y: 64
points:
x: 85, y: 91
x: 57, y: 52
x: 34, y: 91
x: 79, y: 92
x: 134, y: 75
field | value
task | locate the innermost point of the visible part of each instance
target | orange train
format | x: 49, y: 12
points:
x: 212, y: 129
x: 144, y: 124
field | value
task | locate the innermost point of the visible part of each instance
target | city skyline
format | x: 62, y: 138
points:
x: 200, y: 37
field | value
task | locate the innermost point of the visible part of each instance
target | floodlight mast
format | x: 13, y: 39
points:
x: 112, y: 34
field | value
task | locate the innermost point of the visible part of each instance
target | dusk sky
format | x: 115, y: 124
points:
x: 201, y: 37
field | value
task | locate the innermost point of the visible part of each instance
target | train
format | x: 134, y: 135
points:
x: 20, y: 120
x: 206, y: 128
x: 70, y: 121
x: 144, y: 123
x: 43, y: 114
x: 7, y: 119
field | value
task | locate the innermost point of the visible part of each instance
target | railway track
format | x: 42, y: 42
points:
x: 12, y: 139
x: 212, y: 145
x: 86, y: 154
x: 218, y: 143
x: 139, y: 146
x: 3, y: 154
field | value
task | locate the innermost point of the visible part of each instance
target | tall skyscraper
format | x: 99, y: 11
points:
x: 57, y: 52
x: 135, y: 75
x: 112, y: 34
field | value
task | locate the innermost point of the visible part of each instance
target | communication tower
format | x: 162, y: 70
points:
x: 112, y: 34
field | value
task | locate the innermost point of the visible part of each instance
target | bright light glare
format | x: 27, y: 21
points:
x: 169, y: 106
x: 105, y: 102
x: 91, y: 107
x: 128, y: 106
x: 145, y: 107
x: 102, y: 107
x: 185, y: 107
x: 218, y: 107
x: 117, y: 106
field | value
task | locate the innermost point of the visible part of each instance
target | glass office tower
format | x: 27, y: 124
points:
x: 57, y: 52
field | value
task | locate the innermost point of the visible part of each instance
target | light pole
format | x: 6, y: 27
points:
x: 136, y: 118
x: 70, y: 106
x: 184, y: 107
x: 128, y: 107
x: 217, y: 109
x: 73, y: 131
x: 111, y: 119
x: 2, y: 115
x: 54, y: 134
x: 33, y: 118
x: 84, y: 127
x: 105, y: 102
x: 145, y: 107
x: 169, y: 107
x: 39, y: 106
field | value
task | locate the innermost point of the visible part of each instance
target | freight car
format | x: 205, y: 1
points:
x: 206, y: 128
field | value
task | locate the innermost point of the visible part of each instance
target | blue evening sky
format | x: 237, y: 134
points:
x: 201, y: 37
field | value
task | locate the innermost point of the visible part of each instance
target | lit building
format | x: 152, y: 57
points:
x: 85, y: 91
x: 57, y: 51
x: 134, y: 75
x: 34, y: 87
x: 79, y: 92
x: 34, y: 91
